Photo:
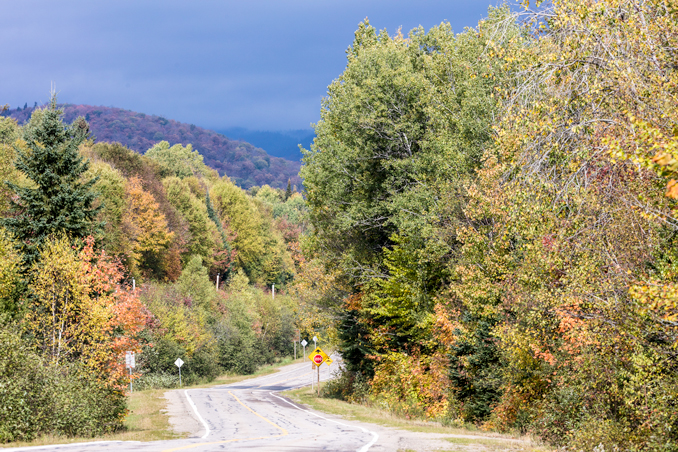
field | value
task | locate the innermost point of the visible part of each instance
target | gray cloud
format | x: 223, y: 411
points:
x: 259, y: 64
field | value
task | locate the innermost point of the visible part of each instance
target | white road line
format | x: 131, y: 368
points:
x: 207, y: 429
x: 365, y: 448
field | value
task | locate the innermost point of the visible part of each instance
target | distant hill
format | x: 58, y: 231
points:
x: 244, y: 163
x: 283, y: 144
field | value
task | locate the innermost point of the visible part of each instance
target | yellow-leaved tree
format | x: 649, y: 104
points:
x: 81, y: 311
x: 145, y: 226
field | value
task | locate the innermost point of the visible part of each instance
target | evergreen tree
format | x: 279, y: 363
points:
x: 288, y: 192
x: 57, y: 201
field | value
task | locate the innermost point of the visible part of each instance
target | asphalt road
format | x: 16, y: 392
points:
x: 252, y: 416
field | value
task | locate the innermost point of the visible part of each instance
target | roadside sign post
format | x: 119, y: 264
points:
x: 129, y: 363
x: 179, y: 363
x: 304, y: 344
x: 317, y: 357
x: 315, y: 342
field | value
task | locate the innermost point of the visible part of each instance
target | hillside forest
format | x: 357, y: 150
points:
x: 104, y: 251
x: 245, y: 164
x: 487, y: 232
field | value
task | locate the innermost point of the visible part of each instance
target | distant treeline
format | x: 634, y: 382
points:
x: 245, y: 164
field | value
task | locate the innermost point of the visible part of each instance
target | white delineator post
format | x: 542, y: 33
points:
x: 273, y: 291
x: 303, y: 344
x: 217, y: 281
x: 129, y: 363
x: 179, y: 363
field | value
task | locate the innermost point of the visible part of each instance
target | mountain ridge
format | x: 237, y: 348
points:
x: 246, y: 164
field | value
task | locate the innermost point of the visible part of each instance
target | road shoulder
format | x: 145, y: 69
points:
x: 182, y: 418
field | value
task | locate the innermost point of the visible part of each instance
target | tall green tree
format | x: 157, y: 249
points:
x: 288, y: 191
x: 57, y: 199
x: 401, y: 135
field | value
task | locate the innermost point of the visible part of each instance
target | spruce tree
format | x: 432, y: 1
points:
x: 288, y: 192
x: 57, y: 201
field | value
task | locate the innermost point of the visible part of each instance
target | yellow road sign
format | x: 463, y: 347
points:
x: 318, y: 356
x: 328, y: 361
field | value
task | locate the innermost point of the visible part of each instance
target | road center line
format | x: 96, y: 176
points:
x: 365, y: 448
x: 257, y: 414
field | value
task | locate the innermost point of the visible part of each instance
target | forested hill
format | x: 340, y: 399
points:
x: 244, y: 163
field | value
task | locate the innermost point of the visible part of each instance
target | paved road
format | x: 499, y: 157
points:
x: 252, y: 416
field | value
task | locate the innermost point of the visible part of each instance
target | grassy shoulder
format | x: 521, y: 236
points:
x: 458, y: 437
x: 147, y: 420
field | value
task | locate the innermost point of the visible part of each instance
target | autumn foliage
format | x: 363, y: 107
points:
x: 123, y: 255
x: 532, y: 274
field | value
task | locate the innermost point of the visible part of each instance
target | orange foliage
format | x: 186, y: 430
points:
x: 82, y: 310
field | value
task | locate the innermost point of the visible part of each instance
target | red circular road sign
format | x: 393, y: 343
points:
x: 318, y: 359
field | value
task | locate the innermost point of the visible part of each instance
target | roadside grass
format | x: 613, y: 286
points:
x: 147, y: 420
x: 466, y: 438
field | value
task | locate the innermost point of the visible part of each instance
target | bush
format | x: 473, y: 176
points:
x: 45, y: 398
x: 348, y: 386
x: 157, y: 381
x: 158, y: 361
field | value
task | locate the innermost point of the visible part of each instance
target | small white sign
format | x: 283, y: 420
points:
x: 178, y: 363
x: 304, y: 343
x: 315, y: 339
x: 129, y: 360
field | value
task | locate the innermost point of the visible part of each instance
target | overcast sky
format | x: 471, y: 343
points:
x: 260, y: 64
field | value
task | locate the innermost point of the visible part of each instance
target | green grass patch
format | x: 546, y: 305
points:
x: 373, y: 415
x: 365, y: 413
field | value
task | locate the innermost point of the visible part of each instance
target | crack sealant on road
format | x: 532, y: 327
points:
x: 365, y: 448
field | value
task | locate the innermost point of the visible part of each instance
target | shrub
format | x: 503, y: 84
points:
x: 157, y: 381
x: 348, y: 386
x: 45, y: 398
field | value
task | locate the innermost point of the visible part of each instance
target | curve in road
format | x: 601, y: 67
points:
x: 249, y: 415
